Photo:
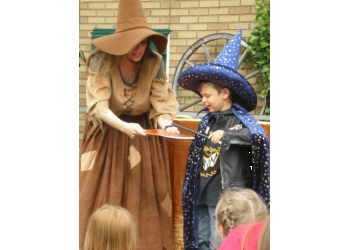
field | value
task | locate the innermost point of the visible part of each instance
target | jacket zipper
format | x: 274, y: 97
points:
x: 220, y: 165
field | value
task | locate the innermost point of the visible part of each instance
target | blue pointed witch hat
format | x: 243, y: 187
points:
x: 222, y: 71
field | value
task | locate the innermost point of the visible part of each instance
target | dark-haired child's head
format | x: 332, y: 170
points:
x: 215, y: 97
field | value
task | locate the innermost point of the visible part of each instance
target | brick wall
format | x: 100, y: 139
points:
x: 188, y: 22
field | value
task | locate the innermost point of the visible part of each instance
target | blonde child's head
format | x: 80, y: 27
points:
x: 110, y: 228
x: 264, y: 239
x: 237, y: 207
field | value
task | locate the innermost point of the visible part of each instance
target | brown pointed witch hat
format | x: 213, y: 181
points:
x: 131, y: 29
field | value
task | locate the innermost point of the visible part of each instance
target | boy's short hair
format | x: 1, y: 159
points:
x: 217, y: 87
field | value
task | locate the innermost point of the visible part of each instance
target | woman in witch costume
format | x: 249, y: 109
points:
x: 127, y: 93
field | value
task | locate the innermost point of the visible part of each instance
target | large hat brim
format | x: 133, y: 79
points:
x: 243, y: 92
x: 121, y: 43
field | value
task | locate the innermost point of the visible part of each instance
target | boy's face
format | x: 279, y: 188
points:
x: 214, y: 101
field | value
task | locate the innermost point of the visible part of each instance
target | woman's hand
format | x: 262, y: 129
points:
x: 172, y: 130
x: 134, y: 130
x: 216, y: 136
x: 164, y: 123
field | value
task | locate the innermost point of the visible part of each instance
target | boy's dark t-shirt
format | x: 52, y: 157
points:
x: 209, y: 184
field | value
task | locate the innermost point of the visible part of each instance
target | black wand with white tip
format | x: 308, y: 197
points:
x: 192, y: 131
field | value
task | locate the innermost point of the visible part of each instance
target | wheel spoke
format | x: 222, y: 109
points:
x: 242, y: 58
x: 264, y: 106
x: 190, y: 63
x: 208, y: 56
x: 226, y: 41
x: 190, y: 104
x: 253, y: 74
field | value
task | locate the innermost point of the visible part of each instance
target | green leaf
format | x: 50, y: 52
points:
x: 264, y: 93
x: 263, y: 11
x: 267, y: 111
x: 254, y: 38
x: 247, y: 59
x: 265, y: 80
x: 257, y: 85
x: 262, y: 20
x: 265, y: 69
x: 264, y: 44
x: 259, y: 15
x: 263, y: 39
x: 255, y: 33
x: 263, y: 28
x: 261, y: 60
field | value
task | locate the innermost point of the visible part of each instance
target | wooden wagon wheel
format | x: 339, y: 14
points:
x: 202, y: 44
x: 82, y: 59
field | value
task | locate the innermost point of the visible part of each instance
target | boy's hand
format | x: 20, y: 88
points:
x: 216, y: 136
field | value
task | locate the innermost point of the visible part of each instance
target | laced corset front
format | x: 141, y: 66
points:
x: 150, y: 93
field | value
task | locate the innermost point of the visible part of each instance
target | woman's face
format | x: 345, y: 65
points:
x: 137, y: 53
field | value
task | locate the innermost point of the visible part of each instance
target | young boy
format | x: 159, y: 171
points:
x: 236, y: 153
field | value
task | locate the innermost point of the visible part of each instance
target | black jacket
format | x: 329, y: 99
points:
x: 235, y: 159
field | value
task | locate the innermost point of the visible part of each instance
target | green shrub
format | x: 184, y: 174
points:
x: 259, y: 47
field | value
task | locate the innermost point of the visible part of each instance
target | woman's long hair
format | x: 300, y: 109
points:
x: 110, y: 228
x: 105, y: 62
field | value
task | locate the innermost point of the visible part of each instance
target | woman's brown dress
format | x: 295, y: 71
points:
x: 118, y: 170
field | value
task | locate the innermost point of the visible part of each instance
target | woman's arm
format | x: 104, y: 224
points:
x: 133, y: 130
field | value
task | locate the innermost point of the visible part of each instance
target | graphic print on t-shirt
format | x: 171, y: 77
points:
x: 210, y: 157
